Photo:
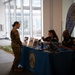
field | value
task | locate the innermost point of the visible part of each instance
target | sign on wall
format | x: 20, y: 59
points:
x: 70, y: 20
x: 1, y: 28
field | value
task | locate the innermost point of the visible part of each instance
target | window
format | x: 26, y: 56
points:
x: 7, y: 17
x: 26, y: 22
x: 26, y: 2
x: 36, y: 23
x: 12, y: 13
x: 36, y: 3
x: 28, y: 13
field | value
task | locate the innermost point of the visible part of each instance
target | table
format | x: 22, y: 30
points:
x: 46, y: 63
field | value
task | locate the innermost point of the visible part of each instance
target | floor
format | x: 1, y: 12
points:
x: 5, y: 42
x: 6, y: 60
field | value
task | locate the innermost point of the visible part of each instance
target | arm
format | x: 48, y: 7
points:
x: 73, y: 48
x: 17, y: 38
x: 48, y: 43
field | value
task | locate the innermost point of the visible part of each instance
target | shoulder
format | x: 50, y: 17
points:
x: 73, y: 38
x: 14, y: 31
x: 47, y: 38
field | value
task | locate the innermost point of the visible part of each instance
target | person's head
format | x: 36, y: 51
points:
x: 16, y: 24
x: 52, y: 33
x: 66, y: 34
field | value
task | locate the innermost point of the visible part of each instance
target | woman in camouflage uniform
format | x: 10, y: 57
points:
x: 16, y: 45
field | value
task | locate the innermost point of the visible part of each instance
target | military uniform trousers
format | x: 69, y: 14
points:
x: 17, y: 54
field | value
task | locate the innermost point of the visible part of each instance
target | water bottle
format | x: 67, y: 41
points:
x: 41, y: 45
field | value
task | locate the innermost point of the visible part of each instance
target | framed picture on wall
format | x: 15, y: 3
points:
x: 1, y: 27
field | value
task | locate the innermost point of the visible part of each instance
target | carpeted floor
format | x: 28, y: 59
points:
x: 6, y: 60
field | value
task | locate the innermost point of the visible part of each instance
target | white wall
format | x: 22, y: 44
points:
x: 52, y: 16
x: 57, y: 17
x: 46, y: 17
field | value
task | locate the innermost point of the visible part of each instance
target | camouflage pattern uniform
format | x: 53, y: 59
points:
x: 16, y: 45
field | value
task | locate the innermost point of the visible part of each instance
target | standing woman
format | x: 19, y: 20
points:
x: 16, y: 45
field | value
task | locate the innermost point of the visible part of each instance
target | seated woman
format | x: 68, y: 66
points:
x: 52, y: 37
x: 68, y: 41
x: 51, y: 40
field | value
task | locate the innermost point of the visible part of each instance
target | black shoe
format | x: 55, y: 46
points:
x: 12, y: 69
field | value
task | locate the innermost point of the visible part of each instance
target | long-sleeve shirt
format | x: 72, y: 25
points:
x: 15, y: 38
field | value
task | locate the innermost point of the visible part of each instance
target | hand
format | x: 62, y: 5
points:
x: 62, y: 46
x: 42, y: 38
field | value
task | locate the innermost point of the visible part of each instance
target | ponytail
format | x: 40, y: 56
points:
x: 16, y: 22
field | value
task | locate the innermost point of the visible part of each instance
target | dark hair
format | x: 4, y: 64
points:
x: 16, y: 22
x: 54, y: 33
x: 66, y: 32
